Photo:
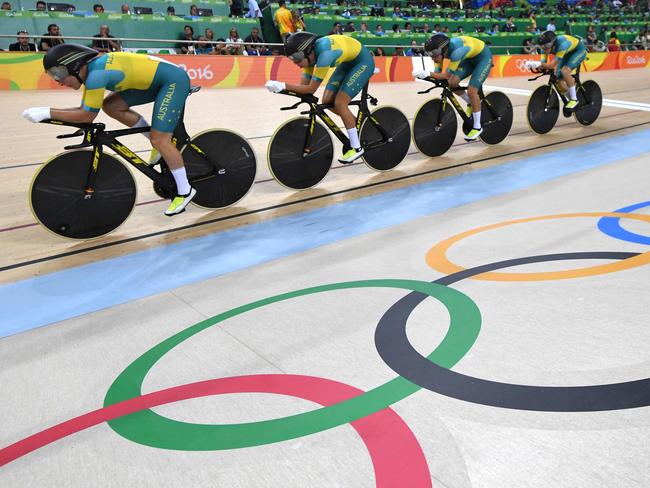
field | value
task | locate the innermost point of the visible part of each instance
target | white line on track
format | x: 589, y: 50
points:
x: 607, y: 102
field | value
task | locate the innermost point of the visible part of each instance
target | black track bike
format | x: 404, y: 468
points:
x: 86, y: 193
x: 544, y: 104
x: 300, y: 152
x: 434, y: 125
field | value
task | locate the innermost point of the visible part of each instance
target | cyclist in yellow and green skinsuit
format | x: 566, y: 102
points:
x: 134, y: 79
x: 468, y: 56
x: 316, y: 55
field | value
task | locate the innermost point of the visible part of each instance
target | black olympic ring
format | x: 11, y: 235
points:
x: 397, y: 352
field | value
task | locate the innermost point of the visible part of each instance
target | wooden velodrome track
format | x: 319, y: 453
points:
x: 29, y: 250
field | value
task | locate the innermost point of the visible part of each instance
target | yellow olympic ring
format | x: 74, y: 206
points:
x: 436, y: 257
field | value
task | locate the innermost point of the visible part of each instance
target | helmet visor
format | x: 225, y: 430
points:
x: 58, y: 72
x: 297, y: 56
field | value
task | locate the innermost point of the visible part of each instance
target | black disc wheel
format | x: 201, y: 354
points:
x: 590, y: 101
x: 221, y: 166
x: 383, y: 154
x: 295, y: 165
x: 496, y: 117
x: 543, y: 109
x: 59, y: 201
x: 434, y: 127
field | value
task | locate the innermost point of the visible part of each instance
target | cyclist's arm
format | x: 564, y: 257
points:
x: 318, y: 73
x: 307, y: 88
x: 550, y: 64
x: 75, y: 115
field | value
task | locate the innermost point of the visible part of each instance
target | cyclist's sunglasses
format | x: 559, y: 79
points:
x: 435, y: 52
x: 58, y: 73
x: 297, y: 56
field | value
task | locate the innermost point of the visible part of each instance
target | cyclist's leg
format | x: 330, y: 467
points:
x: 173, y: 86
x: 481, y: 65
x: 118, y: 106
x: 463, y: 71
x: 571, y: 63
x: 357, y: 76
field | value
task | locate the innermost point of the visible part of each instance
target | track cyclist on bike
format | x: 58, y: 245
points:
x: 134, y: 79
x: 468, y: 56
x: 354, y: 67
x: 569, y: 52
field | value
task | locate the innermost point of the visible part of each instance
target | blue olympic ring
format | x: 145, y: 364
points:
x: 612, y: 226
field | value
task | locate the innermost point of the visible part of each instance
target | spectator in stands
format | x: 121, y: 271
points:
x: 562, y: 6
x: 551, y: 25
x: 254, y: 11
x: 349, y: 27
x: 407, y: 27
x: 460, y: 30
x: 533, y: 21
x: 399, y: 51
x: 415, y: 49
x: 379, y: 31
x: 397, y: 12
x: 363, y: 28
x: 5, y: 6
x: 219, y: 47
x: 104, y: 43
x: 529, y: 46
x: 379, y: 52
x: 194, y: 11
x: 188, y: 35
x: 437, y: 29
x: 283, y: 20
x: 171, y: 11
x: 41, y: 6
x: 425, y: 29
x: 98, y: 8
x: 298, y: 22
x: 125, y: 9
x: 641, y: 41
x: 236, y: 8
x: 209, y: 37
x: 494, y: 30
x: 510, y: 25
x: 617, y: 4
x: 396, y: 29
x: 445, y: 30
x: 23, y: 43
x: 336, y: 29
x: 234, y: 43
x: 255, y: 44
x: 203, y: 46
x: 613, y: 44
x: 47, y: 43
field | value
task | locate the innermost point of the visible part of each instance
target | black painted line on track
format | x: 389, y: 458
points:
x: 304, y: 200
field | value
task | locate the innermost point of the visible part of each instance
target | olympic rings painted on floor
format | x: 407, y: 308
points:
x: 612, y: 226
x: 396, y: 455
x: 147, y: 427
x: 397, y: 352
x: 437, y: 259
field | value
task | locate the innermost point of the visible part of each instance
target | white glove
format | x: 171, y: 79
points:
x: 37, y: 114
x: 421, y: 73
x: 532, y: 65
x: 275, y: 86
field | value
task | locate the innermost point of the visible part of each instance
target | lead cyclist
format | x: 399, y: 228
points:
x: 134, y: 79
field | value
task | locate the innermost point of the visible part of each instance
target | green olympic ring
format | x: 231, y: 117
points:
x: 148, y: 428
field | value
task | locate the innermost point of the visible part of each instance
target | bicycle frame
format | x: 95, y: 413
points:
x: 552, y: 83
x: 448, y: 95
x: 95, y: 136
x: 318, y: 110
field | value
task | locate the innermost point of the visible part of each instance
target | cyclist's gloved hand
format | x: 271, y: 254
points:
x: 275, y: 86
x: 37, y: 114
x: 420, y: 73
x: 533, y: 65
